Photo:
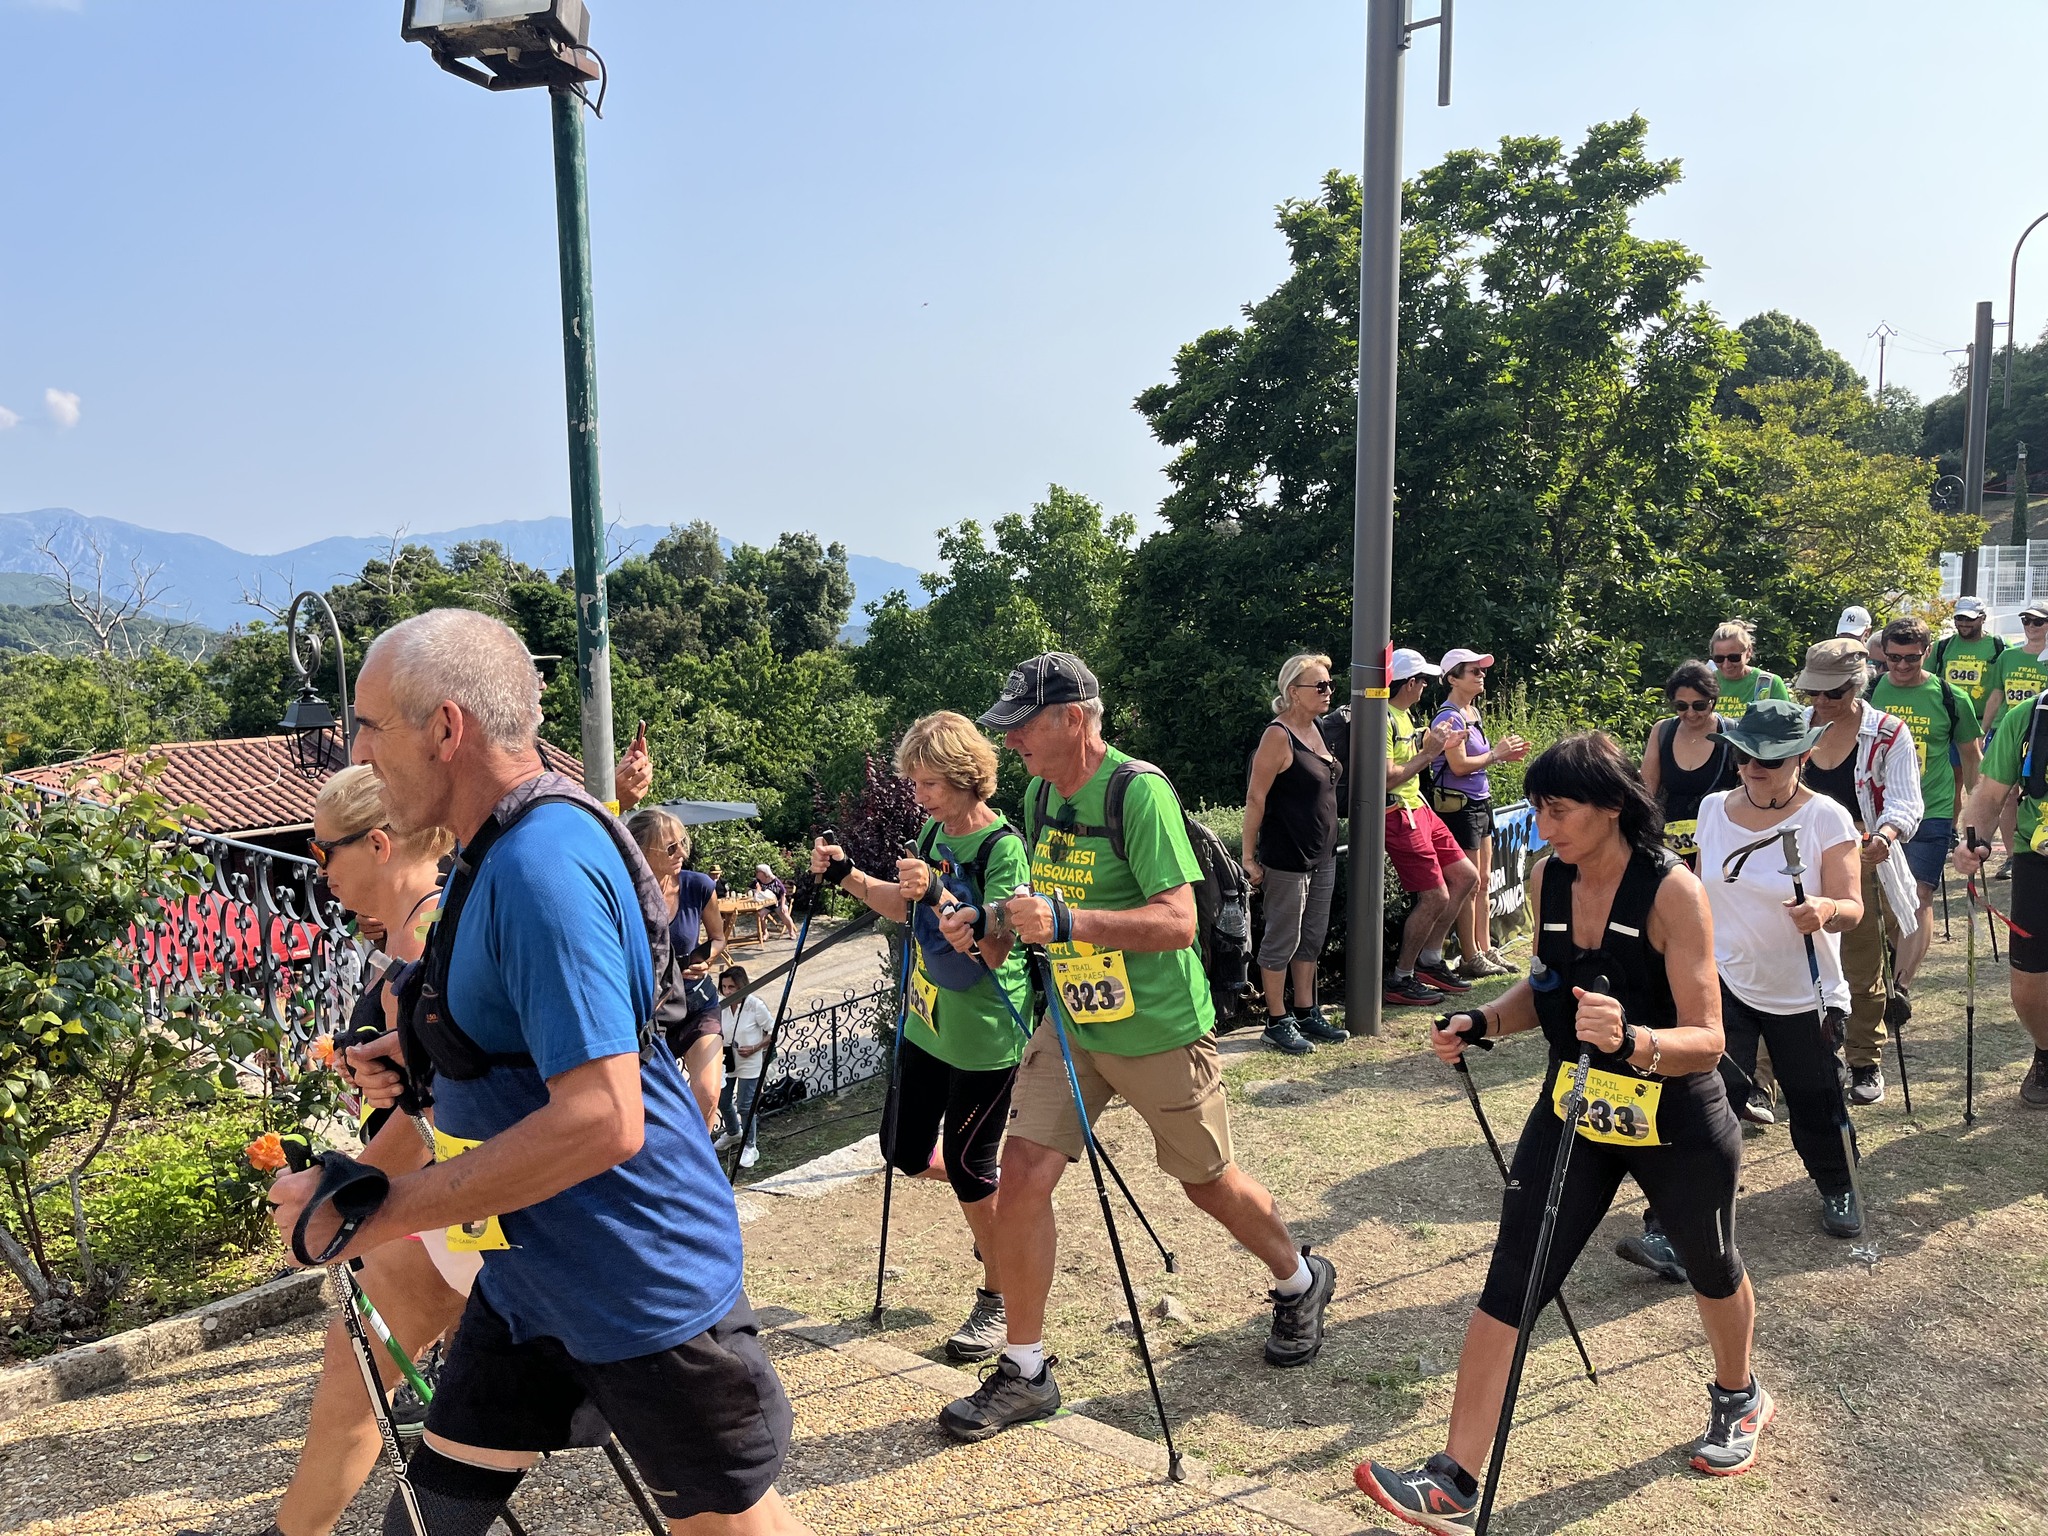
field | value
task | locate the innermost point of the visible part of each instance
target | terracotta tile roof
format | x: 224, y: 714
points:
x: 244, y: 785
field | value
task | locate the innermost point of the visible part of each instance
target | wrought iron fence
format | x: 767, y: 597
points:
x: 832, y: 1045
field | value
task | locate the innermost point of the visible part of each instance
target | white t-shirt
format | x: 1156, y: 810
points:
x: 1759, y: 952
x: 749, y: 1024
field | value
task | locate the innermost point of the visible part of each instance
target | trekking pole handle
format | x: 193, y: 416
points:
x: 409, y: 1101
x: 1474, y: 1032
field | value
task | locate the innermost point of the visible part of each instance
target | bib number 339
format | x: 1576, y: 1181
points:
x: 1620, y: 1110
x: 1096, y: 988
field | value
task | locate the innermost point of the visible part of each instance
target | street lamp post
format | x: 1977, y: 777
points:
x: 514, y: 45
x: 307, y: 718
x: 2012, y: 290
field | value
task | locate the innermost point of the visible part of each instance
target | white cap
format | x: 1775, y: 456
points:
x: 1970, y: 608
x: 1854, y: 621
x: 1407, y: 664
x: 1458, y: 656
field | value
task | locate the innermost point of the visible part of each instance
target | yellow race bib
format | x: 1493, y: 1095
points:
x: 924, y: 997
x: 1620, y: 1110
x: 474, y: 1236
x: 1681, y: 838
x: 1094, y: 988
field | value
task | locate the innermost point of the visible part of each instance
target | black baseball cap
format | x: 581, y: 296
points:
x: 1054, y: 678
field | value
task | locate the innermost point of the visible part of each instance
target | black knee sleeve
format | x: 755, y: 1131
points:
x: 455, y: 1498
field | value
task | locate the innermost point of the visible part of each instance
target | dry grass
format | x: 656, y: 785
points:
x: 1911, y: 1399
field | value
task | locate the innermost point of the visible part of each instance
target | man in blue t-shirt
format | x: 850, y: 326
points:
x: 576, y: 1162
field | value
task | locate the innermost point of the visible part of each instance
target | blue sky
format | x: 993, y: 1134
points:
x: 861, y: 268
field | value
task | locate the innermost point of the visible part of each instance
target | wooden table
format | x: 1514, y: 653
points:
x: 732, y: 908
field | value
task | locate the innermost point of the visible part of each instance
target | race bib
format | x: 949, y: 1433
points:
x: 924, y: 997
x: 1094, y: 988
x: 2017, y: 692
x: 1681, y: 837
x: 1966, y: 674
x: 472, y: 1236
x: 1620, y: 1110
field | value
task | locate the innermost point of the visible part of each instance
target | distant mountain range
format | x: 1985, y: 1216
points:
x: 203, y: 580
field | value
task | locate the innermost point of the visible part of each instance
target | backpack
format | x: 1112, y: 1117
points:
x: 1941, y: 654
x: 944, y: 964
x: 1223, y: 926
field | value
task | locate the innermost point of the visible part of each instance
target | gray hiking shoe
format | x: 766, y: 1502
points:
x: 1297, y: 1334
x: 984, y: 1332
x: 1653, y: 1250
x: 1431, y: 1496
x: 1840, y: 1215
x: 2034, y: 1086
x: 1003, y: 1398
x: 1866, y: 1085
x: 1285, y: 1037
x: 1319, y: 1029
x: 1735, y: 1425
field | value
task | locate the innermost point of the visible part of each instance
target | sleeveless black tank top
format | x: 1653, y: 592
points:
x: 1682, y: 789
x: 1837, y: 783
x: 1300, y: 828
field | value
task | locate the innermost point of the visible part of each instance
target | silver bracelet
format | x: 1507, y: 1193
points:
x: 1656, y: 1053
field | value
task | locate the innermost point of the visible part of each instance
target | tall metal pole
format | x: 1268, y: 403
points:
x: 1975, y: 424
x: 586, y: 500
x: 2012, y: 293
x: 1372, y: 548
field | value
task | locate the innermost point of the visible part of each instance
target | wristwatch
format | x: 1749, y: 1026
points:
x: 1627, y: 1048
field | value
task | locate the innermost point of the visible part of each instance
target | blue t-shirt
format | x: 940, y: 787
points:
x: 694, y: 892
x: 551, y: 959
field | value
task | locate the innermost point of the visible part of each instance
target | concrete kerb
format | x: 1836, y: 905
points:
x: 94, y: 1367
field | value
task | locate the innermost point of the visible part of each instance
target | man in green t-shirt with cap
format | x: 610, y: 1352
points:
x: 1119, y: 946
x: 2018, y: 760
x: 2019, y: 674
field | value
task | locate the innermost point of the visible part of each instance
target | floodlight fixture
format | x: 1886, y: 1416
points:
x: 506, y: 45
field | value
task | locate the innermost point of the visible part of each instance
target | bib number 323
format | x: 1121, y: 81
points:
x: 1095, y: 988
x: 1620, y: 1110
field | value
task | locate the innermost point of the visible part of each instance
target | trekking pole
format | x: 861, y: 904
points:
x: 1532, y: 1295
x: 1174, y: 1469
x: 753, y: 1115
x: 1867, y: 1249
x: 1884, y: 949
x: 1947, y: 934
x: 1564, y: 1312
x: 1970, y: 992
x: 889, y: 1121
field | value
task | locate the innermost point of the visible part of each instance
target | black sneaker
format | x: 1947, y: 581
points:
x: 1297, y: 1335
x: 1003, y: 1398
x: 1898, y: 1008
x: 1840, y: 1216
x: 1735, y: 1424
x: 1407, y: 992
x: 2034, y: 1086
x: 1429, y: 1496
x: 1442, y: 977
x: 1653, y: 1251
x: 1757, y: 1109
x: 1319, y: 1029
x: 1282, y: 1035
x: 2004, y: 871
x: 1866, y: 1085
x: 985, y: 1331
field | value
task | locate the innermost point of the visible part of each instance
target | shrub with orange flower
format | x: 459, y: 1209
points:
x: 265, y: 1153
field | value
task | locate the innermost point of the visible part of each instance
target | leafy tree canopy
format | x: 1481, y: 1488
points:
x: 1776, y: 346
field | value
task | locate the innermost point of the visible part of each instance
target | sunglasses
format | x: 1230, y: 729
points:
x: 1768, y: 764
x: 1829, y: 693
x: 2032, y: 623
x: 1696, y: 706
x: 323, y: 847
x: 1325, y: 686
x: 673, y: 850
x: 1903, y: 658
x: 1722, y: 658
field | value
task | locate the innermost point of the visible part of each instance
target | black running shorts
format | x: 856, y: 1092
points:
x: 706, y: 1422
x: 2029, y: 932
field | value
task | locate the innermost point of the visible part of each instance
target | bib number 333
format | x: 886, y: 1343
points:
x: 1620, y: 1110
x: 1096, y: 988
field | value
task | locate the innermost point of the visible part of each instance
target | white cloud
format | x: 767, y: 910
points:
x: 63, y: 406
x: 8, y: 419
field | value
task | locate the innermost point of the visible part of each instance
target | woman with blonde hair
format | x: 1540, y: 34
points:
x: 1290, y: 851
x: 687, y: 1003
x: 961, y: 1040
x: 1732, y: 649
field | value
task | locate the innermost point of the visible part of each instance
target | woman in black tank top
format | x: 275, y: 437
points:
x: 1624, y: 970
x: 1687, y: 758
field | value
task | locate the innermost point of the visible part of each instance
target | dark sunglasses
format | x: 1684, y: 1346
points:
x: 1744, y: 760
x: 673, y: 850
x: 1722, y: 658
x: 2032, y: 623
x: 323, y: 848
x: 1830, y: 693
x: 1697, y: 706
x: 1903, y: 658
x: 1325, y: 686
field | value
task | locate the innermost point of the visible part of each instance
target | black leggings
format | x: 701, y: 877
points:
x: 1804, y: 1062
x: 1691, y: 1184
x: 972, y: 1106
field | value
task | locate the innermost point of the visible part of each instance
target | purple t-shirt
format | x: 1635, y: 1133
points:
x: 1473, y: 784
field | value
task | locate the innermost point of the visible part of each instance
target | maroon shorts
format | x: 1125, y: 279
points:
x: 1421, y: 847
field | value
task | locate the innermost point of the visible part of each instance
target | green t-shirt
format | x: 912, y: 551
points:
x: 2004, y: 759
x: 1967, y: 664
x: 1738, y: 696
x: 1402, y: 735
x: 2019, y: 674
x: 1122, y: 1003
x: 1927, y: 718
x: 972, y: 1030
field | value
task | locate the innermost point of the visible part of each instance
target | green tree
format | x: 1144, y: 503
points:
x: 678, y: 600
x: 2024, y: 421
x: 55, y: 708
x: 805, y: 587
x: 1775, y: 346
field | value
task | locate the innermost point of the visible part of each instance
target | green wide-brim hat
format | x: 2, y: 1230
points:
x: 1773, y: 730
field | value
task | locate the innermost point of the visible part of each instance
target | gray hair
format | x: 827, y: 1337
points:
x: 469, y: 659
x: 1091, y: 713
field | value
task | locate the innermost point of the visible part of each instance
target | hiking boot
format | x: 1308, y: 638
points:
x: 1407, y: 992
x: 1480, y: 966
x: 1442, y: 978
x: 1653, y: 1251
x: 2004, y: 871
x: 984, y: 1332
x: 1866, y: 1085
x: 1898, y: 1008
x: 1285, y: 1037
x: 1840, y: 1216
x: 1734, y: 1426
x: 1430, y: 1496
x: 1297, y: 1335
x: 1319, y: 1029
x: 1003, y: 1398
x: 1757, y: 1109
x: 2034, y: 1086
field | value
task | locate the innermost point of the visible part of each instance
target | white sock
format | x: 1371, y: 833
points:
x: 1297, y: 1282
x: 1433, y: 958
x: 1029, y: 1358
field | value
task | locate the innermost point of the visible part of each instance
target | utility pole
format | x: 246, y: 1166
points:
x: 1975, y: 423
x: 1387, y: 31
x: 2019, y: 507
x: 1883, y: 333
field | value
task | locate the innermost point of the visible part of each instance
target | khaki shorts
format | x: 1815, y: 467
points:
x: 1178, y: 1093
